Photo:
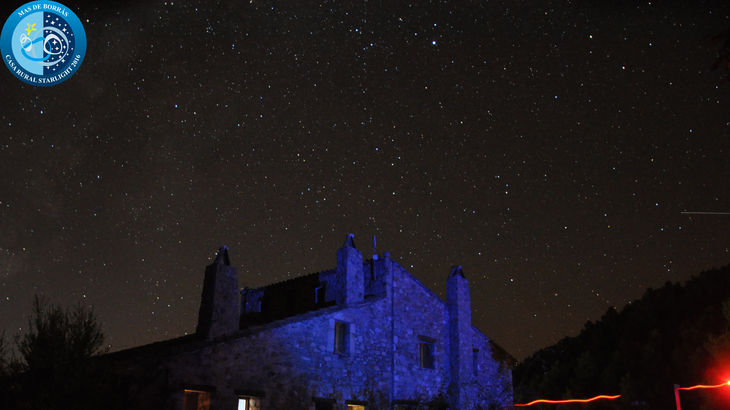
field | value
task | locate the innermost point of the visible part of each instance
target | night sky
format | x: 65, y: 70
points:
x: 548, y: 147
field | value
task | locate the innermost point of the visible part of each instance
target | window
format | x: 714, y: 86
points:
x: 341, y: 337
x: 475, y: 361
x: 405, y: 404
x: 323, y: 404
x: 196, y: 400
x: 425, y: 352
x: 319, y: 294
x: 356, y: 405
x: 249, y: 403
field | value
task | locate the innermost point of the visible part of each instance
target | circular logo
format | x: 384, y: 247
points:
x: 43, y: 43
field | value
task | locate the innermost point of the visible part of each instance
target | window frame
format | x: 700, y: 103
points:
x: 341, y: 334
x: 322, y: 403
x: 426, y: 352
x: 201, y: 394
x: 356, y: 405
x: 475, y: 361
x: 248, y: 398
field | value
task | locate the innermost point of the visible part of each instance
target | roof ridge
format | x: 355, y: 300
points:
x: 306, y: 275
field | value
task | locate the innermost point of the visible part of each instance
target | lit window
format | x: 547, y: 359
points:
x: 425, y: 352
x: 249, y: 403
x: 341, y: 337
x: 355, y: 407
x: 196, y: 400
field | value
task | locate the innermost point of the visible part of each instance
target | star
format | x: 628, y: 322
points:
x: 31, y: 28
x: 407, y: 122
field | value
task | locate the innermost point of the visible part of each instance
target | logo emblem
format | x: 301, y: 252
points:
x: 43, y: 43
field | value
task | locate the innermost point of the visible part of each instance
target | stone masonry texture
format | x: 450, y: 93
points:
x: 278, y: 344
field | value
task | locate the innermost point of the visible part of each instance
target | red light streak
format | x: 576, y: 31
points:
x: 603, y: 396
x: 704, y: 386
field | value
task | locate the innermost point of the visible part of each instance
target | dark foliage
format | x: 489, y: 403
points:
x: 678, y: 334
x: 56, y: 368
x: 4, y: 369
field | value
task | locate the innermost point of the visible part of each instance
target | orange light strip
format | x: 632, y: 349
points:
x: 704, y: 386
x: 603, y: 396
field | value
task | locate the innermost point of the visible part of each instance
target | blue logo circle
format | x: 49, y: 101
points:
x: 43, y: 43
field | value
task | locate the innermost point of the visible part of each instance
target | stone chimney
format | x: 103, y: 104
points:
x: 219, y: 306
x: 460, y: 335
x: 350, y: 279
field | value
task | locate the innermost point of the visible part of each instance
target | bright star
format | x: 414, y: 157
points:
x: 30, y: 28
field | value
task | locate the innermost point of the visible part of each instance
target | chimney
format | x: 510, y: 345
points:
x: 350, y: 279
x: 460, y: 335
x: 219, y: 306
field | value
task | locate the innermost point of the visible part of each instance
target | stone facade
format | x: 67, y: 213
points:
x: 366, y: 333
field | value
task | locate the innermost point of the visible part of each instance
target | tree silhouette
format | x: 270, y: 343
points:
x: 56, y: 368
x: 678, y: 334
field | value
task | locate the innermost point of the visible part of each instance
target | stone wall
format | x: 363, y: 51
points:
x: 220, y: 303
x: 491, y: 386
x: 419, y: 314
x: 293, y: 360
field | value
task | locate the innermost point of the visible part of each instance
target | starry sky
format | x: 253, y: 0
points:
x: 548, y: 147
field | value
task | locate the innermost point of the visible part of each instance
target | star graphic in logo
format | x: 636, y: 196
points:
x: 30, y: 28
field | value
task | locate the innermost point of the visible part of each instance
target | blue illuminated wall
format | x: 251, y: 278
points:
x: 284, y: 347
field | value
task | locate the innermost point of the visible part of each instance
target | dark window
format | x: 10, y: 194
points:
x: 425, y: 352
x: 319, y: 294
x: 196, y: 400
x: 475, y: 361
x: 405, y: 405
x: 341, y: 337
x: 324, y: 404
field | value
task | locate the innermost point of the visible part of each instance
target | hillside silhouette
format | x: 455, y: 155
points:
x: 677, y: 334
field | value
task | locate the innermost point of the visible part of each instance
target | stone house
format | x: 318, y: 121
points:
x: 365, y: 335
